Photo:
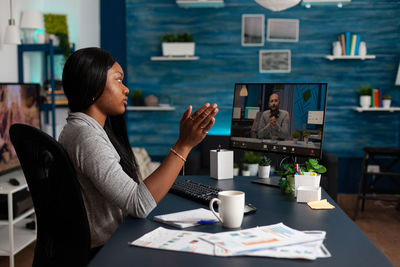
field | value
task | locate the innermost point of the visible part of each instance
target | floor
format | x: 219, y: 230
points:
x: 380, y: 222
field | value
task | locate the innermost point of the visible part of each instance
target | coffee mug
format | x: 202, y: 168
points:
x: 231, y: 208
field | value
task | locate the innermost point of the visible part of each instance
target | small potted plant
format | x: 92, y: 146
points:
x: 235, y: 169
x: 251, y: 161
x: 295, y: 136
x: 365, y: 96
x: 286, y: 182
x: 386, y: 101
x: 245, y: 170
x: 306, y: 135
x: 178, y: 45
x: 137, y: 97
x: 264, y: 167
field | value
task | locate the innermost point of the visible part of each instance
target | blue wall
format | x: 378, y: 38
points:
x: 224, y: 62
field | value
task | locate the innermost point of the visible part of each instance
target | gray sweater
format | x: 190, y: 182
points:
x: 108, y: 192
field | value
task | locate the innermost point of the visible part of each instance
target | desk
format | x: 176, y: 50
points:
x: 347, y: 244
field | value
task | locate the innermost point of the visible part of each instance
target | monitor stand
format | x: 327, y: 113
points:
x: 271, y: 181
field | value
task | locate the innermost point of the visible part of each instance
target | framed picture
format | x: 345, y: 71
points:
x: 275, y: 61
x: 253, y: 28
x: 283, y: 30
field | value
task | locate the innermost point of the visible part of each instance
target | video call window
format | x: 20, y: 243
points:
x: 284, y: 117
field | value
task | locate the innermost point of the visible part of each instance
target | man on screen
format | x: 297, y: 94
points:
x: 274, y: 123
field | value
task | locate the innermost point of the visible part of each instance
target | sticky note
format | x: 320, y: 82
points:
x: 320, y: 205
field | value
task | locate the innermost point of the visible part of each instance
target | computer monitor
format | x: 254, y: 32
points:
x: 284, y: 118
x: 19, y: 103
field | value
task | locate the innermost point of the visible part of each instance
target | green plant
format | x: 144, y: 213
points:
x: 389, y: 97
x: 250, y: 158
x: 235, y: 165
x: 245, y: 168
x: 264, y: 161
x: 306, y: 134
x: 288, y: 170
x: 296, y: 135
x: 173, y: 38
x: 285, y: 186
x: 312, y: 165
x: 365, y: 90
x: 57, y: 24
x: 137, y: 96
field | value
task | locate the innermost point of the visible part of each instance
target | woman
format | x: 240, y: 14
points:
x: 96, y: 140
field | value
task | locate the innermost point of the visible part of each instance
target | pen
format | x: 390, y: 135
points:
x: 201, y: 222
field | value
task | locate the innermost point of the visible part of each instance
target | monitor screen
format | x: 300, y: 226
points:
x: 19, y: 103
x: 285, y: 118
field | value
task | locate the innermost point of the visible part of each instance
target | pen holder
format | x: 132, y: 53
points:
x: 308, y: 179
x: 221, y: 164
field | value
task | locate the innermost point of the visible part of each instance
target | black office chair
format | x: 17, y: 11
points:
x: 63, y: 234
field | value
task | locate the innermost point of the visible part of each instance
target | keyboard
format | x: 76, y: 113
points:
x: 201, y: 193
x: 195, y: 191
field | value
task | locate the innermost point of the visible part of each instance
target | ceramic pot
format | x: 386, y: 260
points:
x: 253, y: 168
x: 362, y: 49
x: 386, y: 103
x: 336, y: 49
x: 365, y: 101
x: 235, y: 171
x: 263, y: 171
x: 245, y: 173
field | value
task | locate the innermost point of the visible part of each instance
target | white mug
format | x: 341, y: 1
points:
x: 231, y: 208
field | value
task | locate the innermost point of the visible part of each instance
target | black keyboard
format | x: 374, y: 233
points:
x: 195, y: 191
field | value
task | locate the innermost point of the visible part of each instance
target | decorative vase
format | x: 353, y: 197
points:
x: 263, y: 171
x: 337, y: 49
x: 386, y: 103
x: 362, y: 49
x: 365, y: 101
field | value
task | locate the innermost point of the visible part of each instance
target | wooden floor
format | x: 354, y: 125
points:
x: 380, y: 222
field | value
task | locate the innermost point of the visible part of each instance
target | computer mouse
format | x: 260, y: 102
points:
x: 13, y: 181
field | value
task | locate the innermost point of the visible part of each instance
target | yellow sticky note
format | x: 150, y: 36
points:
x: 322, y: 204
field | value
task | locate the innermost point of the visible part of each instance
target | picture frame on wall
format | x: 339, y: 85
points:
x: 283, y: 30
x: 275, y: 61
x: 253, y: 30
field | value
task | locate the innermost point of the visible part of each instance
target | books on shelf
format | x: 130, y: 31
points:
x: 59, y: 97
x: 376, y: 98
x: 350, y: 43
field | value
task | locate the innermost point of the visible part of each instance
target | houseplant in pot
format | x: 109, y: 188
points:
x: 306, y: 135
x: 295, y: 136
x: 178, y: 45
x: 245, y: 170
x: 264, y: 167
x: 386, y: 101
x: 365, y: 96
x: 286, y: 182
x: 235, y: 169
x: 251, y: 161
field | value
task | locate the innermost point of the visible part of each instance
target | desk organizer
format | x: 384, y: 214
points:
x: 308, y: 193
x: 306, y: 180
x: 221, y: 164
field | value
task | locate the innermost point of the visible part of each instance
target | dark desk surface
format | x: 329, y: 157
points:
x: 347, y: 244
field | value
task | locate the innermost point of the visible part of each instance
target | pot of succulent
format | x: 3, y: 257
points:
x: 365, y: 96
x: 251, y: 161
x: 137, y: 97
x: 178, y: 45
x: 295, y: 136
x: 245, y: 170
x: 306, y: 135
x: 386, y: 101
x: 235, y: 169
x: 264, y: 167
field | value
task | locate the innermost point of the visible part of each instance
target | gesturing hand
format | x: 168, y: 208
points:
x: 194, y: 128
x: 272, y: 121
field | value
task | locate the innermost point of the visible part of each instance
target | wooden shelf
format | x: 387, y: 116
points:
x: 149, y: 108
x: 331, y: 57
x: 174, y: 58
x: 392, y: 109
x: 200, y: 3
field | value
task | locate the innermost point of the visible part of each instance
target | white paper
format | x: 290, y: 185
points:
x: 188, y: 215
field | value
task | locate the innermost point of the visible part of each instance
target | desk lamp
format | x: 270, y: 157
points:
x: 30, y: 21
x: 11, y: 35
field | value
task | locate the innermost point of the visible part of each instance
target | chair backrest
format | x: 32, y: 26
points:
x: 63, y: 234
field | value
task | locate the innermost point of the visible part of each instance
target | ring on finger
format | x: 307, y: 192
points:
x: 190, y: 117
x: 202, y: 127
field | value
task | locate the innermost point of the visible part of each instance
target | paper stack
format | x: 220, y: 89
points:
x: 275, y: 240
